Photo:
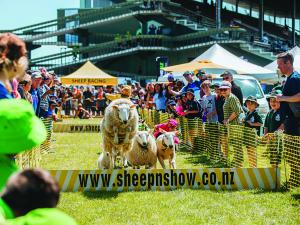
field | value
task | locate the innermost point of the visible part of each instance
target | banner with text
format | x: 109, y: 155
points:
x: 163, y: 180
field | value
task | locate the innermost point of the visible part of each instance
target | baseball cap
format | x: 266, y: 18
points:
x: 191, y: 91
x: 216, y: 85
x: 36, y: 74
x: 186, y: 73
x: 18, y: 115
x: 200, y: 73
x: 52, y: 102
x: 226, y: 73
x: 225, y: 84
x: 206, y: 82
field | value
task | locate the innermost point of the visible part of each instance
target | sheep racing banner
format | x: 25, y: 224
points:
x: 164, y: 180
x: 76, y: 128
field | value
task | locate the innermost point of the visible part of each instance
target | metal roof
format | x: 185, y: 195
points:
x: 282, y: 8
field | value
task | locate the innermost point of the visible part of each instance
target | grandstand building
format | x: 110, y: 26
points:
x: 129, y: 38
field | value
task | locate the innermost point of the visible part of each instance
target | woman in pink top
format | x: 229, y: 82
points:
x: 171, y: 125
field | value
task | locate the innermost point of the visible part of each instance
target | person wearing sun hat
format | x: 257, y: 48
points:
x: 274, y: 122
x: 252, y: 120
x: 20, y: 130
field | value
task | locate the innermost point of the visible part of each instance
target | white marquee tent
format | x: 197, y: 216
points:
x: 295, y: 52
x: 221, y: 56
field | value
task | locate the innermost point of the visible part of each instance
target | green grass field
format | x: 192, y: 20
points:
x: 80, y: 151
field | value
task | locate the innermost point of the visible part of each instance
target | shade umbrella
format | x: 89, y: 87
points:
x: 194, y: 65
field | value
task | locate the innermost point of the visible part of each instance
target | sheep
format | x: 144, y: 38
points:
x: 104, y: 161
x: 143, y: 151
x: 166, y: 148
x: 119, y: 126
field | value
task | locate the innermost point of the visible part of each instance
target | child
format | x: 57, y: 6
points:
x: 171, y: 125
x: 192, y: 105
x: 179, y: 106
x: 208, y: 104
x: 252, y: 120
x: 274, y: 122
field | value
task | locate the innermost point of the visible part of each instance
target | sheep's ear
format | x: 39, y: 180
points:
x: 162, y: 131
x: 133, y: 106
x: 176, y: 132
x: 115, y: 107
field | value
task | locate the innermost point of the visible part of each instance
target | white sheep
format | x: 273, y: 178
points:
x: 104, y: 161
x: 166, y: 148
x: 143, y: 151
x: 118, y: 127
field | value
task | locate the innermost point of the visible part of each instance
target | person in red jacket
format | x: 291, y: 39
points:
x: 171, y: 125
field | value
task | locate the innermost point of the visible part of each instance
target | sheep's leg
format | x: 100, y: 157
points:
x: 126, y: 139
x: 172, y: 160
x: 116, y: 138
x: 161, y: 161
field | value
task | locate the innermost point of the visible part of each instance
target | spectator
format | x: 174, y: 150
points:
x: 36, y: 78
x: 82, y: 113
x: 195, y: 85
x: 45, y: 91
x: 208, y: 103
x: 13, y: 62
x: 159, y: 98
x: 179, y: 106
x: 202, y: 76
x: 51, y: 111
x: 32, y: 195
x: 252, y: 120
x: 171, y: 108
x: 159, y: 31
x: 232, y: 111
x: 87, y: 99
x: 26, y: 86
x: 101, y: 101
x: 235, y: 89
x: 126, y: 91
x: 152, y: 29
x: 150, y: 95
x: 77, y: 96
x: 20, y: 130
x: 290, y: 106
x: 274, y: 122
x: 219, y: 101
x: 192, y: 106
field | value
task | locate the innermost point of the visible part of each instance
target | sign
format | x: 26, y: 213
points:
x: 76, y: 128
x: 164, y: 180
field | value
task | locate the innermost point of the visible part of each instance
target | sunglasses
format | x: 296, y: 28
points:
x: 225, y: 78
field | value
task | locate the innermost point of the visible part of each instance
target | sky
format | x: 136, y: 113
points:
x: 18, y: 13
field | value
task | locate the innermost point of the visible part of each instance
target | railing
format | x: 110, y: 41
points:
x: 136, y: 43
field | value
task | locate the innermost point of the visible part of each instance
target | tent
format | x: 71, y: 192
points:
x: 89, y: 74
x: 295, y: 52
x: 194, y: 65
x: 221, y: 56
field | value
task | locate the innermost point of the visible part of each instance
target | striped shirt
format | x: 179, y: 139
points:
x: 232, y: 104
x: 44, y: 104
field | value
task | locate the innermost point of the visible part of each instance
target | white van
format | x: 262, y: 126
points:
x: 249, y: 86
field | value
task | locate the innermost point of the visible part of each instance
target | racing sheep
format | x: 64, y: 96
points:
x: 118, y: 127
x: 166, y: 148
x: 143, y: 151
x: 104, y: 161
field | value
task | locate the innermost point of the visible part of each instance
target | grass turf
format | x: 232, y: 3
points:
x: 80, y: 151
